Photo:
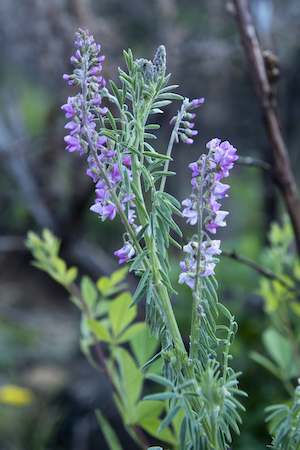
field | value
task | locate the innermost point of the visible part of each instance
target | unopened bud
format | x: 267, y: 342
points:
x: 159, y: 61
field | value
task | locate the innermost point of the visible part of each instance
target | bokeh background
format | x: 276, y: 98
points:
x: 41, y: 185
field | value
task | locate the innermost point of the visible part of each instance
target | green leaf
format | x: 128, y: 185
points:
x: 120, y: 314
x: 118, y: 276
x: 143, y: 346
x: 150, y: 136
x: 146, y: 411
x: 141, y: 289
x: 152, y: 360
x: 160, y: 173
x: 175, y: 243
x: 116, y: 92
x: 131, y: 382
x: 224, y: 311
x: 60, y: 265
x: 161, y: 396
x: 279, y: 348
x: 72, y: 274
x: 99, y: 330
x: 170, y: 96
x: 147, y: 178
x: 155, y: 448
x: 112, y: 120
x: 111, y: 134
x: 156, y: 111
x: 160, y: 104
x: 168, y: 419
x: 166, y: 217
x: 88, y: 291
x: 267, y: 364
x: 171, y: 87
x: 108, y: 286
x: 152, y: 126
x: 142, y: 231
x: 157, y: 155
x: 183, y: 432
x: 160, y: 380
x: 108, y: 432
x: 131, y: 332
x: 151, y: 428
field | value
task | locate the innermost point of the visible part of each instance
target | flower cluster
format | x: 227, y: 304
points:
x: 207, y: 190
x: 185, y: 129
x: 207, y: 262
x: 106, y: 165
x: 104, y: 204
x: 84, y: 107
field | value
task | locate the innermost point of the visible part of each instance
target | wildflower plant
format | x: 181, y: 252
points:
x: 199, y: 386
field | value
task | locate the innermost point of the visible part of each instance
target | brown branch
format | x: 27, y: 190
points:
x: 262, y: 270
x: 265, y: 94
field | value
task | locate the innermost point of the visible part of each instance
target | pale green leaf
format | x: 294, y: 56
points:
x: 146, y: 411
x: 108, y: 432
x: 99, y: 330
x: 72, y: 274
x: 131, y: 332
x: 279, y: 348
x: 88, y: 291
x: 168, y: 419
x: 152, y: 426
x: 131, y: 382
x: 120, y: 314
x: 143, y: 346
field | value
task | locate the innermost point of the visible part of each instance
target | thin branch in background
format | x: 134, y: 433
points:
x: 261, y: 65
x: 249, y: 161
x: 261, y: 269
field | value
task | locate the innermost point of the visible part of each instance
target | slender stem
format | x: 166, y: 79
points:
x: 171, y: 142
x: 283, y: 171
x: 261, y: 269
x: 197, y: 288
x: 74, y: 290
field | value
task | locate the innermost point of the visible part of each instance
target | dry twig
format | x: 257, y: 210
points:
x: 264, y: 88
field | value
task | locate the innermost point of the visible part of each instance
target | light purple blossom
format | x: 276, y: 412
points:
x: 185, y: 131
x: 125, y: 253
x: 209, y: 169
x: 69, y: 108
x: 83, y: 112
x: 190, y: 213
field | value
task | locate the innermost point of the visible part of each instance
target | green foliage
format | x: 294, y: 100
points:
x: 108, y: 317
x: 281, y: 340
x: 285, y: 424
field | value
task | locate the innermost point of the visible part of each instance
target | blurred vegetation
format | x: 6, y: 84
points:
x: 205, y: 58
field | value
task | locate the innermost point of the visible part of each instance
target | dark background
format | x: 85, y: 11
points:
x: 41, y: 185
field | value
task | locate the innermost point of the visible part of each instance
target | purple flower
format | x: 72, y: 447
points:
x: 73, y: 144
x: 73, y: 126
x: 195, y: 167
x: 125, y: 253
x: 189, y: 212
x: 69, y: 108
x: 216, y: 221
x: 211, y: 169
x: 109, y: 210
x: 188, y: 279
x: 186, y: 139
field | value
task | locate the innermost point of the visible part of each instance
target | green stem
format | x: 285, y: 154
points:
x: 171, y: 141
x: 195, y: 321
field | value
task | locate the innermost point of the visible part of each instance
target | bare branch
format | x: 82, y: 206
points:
x: 264, y: 88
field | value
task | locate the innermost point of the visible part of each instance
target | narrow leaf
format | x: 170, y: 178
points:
x: 108, y: 432
x: 160, y: 380
x: 168, y: 419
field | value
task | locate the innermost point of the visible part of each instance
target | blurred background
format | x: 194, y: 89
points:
x: 41, y: 185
